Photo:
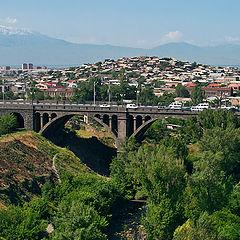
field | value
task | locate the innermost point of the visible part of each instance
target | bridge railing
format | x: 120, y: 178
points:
x: 71, y: 105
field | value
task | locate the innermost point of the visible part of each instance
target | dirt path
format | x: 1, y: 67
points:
x: 54, y: 168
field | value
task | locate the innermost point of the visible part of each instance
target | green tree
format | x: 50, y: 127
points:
x: 39, y: 95
x: 209, y: 119
x: 218, y: 226
x: 161, y: 220
x: 197, y: 95
x: 147, y: 96
x: 205, y: 228
x: 8, y: 123
x: 160, y: 173
x: 215, y: 172
x: 120, y: 168
x: 78, y: 222
x: 181, y: 91
x: 129, y: 92
x: 21, y: 223
x: 234, y: 200
x: 166, y: 98
x: 156, y: 132
x: 9, y: 95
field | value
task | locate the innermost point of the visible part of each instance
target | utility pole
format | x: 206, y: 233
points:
x: 109, y: 94
x: 137, y: 97
x: 3, y: 91
x: 121, y: 95
x: 94, y: 93
x: 32, y: 92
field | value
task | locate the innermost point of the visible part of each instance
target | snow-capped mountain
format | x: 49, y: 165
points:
x: 14, y: 31
x: 21, y: 45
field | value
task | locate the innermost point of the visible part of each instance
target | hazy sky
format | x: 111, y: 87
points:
x: 138, y: 23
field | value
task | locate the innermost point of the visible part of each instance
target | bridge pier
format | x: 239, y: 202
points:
x: 29, y: 120
x: 134, y: 124
x: 122, y: 129
x: 41, y: 121
x: 110, y: 123
x: 85, y: 119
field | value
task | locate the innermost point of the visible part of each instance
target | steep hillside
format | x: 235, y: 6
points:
x: 91, y: 143
x: 27, y: 161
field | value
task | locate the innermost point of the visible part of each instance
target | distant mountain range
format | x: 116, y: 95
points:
x: 18, y: 46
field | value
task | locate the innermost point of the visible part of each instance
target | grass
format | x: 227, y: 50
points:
x: 90, y: 131
x: 26, y: 161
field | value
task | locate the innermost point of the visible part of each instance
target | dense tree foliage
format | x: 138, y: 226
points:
x: 166, y: 99
x: 197, y: 95
x: 181, y: 91
x: 78, y: 221
x: 79, y: 207
x: 8, y: 95
x: 8, y: 123
x: 85, y: 91
x: 147, y: 96
x: 22, y: 222
x: 192, y: 189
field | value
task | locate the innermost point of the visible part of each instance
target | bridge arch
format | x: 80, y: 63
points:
x: 114, y: 125
x: 106, y: 119
x: 58, y: 123
x: 45, y: 119
x: 147, y: 118
x: 52, y: 126
x: 53, y: 115
x: 20, y: 119
x: 37, y: 122
x: 113, y: 134
x: 139, y: 121
x: 97, y: 116
x: 130, y: 125
x: 143, y: 128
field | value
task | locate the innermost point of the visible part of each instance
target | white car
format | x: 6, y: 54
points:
x: 200, y: 107
x: 229, y: 108
x: 131, y: 105
x: 104, y: 105
x: 175, y: 106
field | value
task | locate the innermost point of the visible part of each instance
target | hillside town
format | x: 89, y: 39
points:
x: 162, y: 75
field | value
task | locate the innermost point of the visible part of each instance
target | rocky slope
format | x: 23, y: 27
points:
x: 27, y: 161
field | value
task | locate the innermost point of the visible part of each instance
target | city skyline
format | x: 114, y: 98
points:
x: 136, y: 24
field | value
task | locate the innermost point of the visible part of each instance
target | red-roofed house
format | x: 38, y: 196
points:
x: 217, y: 92
x: 59, y: 91
x: 235, y: 87
x: 214, y: 85
x: 172, y: 84
x: 189, y: 85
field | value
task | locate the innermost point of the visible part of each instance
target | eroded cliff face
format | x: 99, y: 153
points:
x: 27, y: 161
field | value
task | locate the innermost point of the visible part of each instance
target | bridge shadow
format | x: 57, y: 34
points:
x: 90, y: 151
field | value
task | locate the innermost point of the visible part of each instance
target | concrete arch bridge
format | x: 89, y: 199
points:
x: 121, y: 122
